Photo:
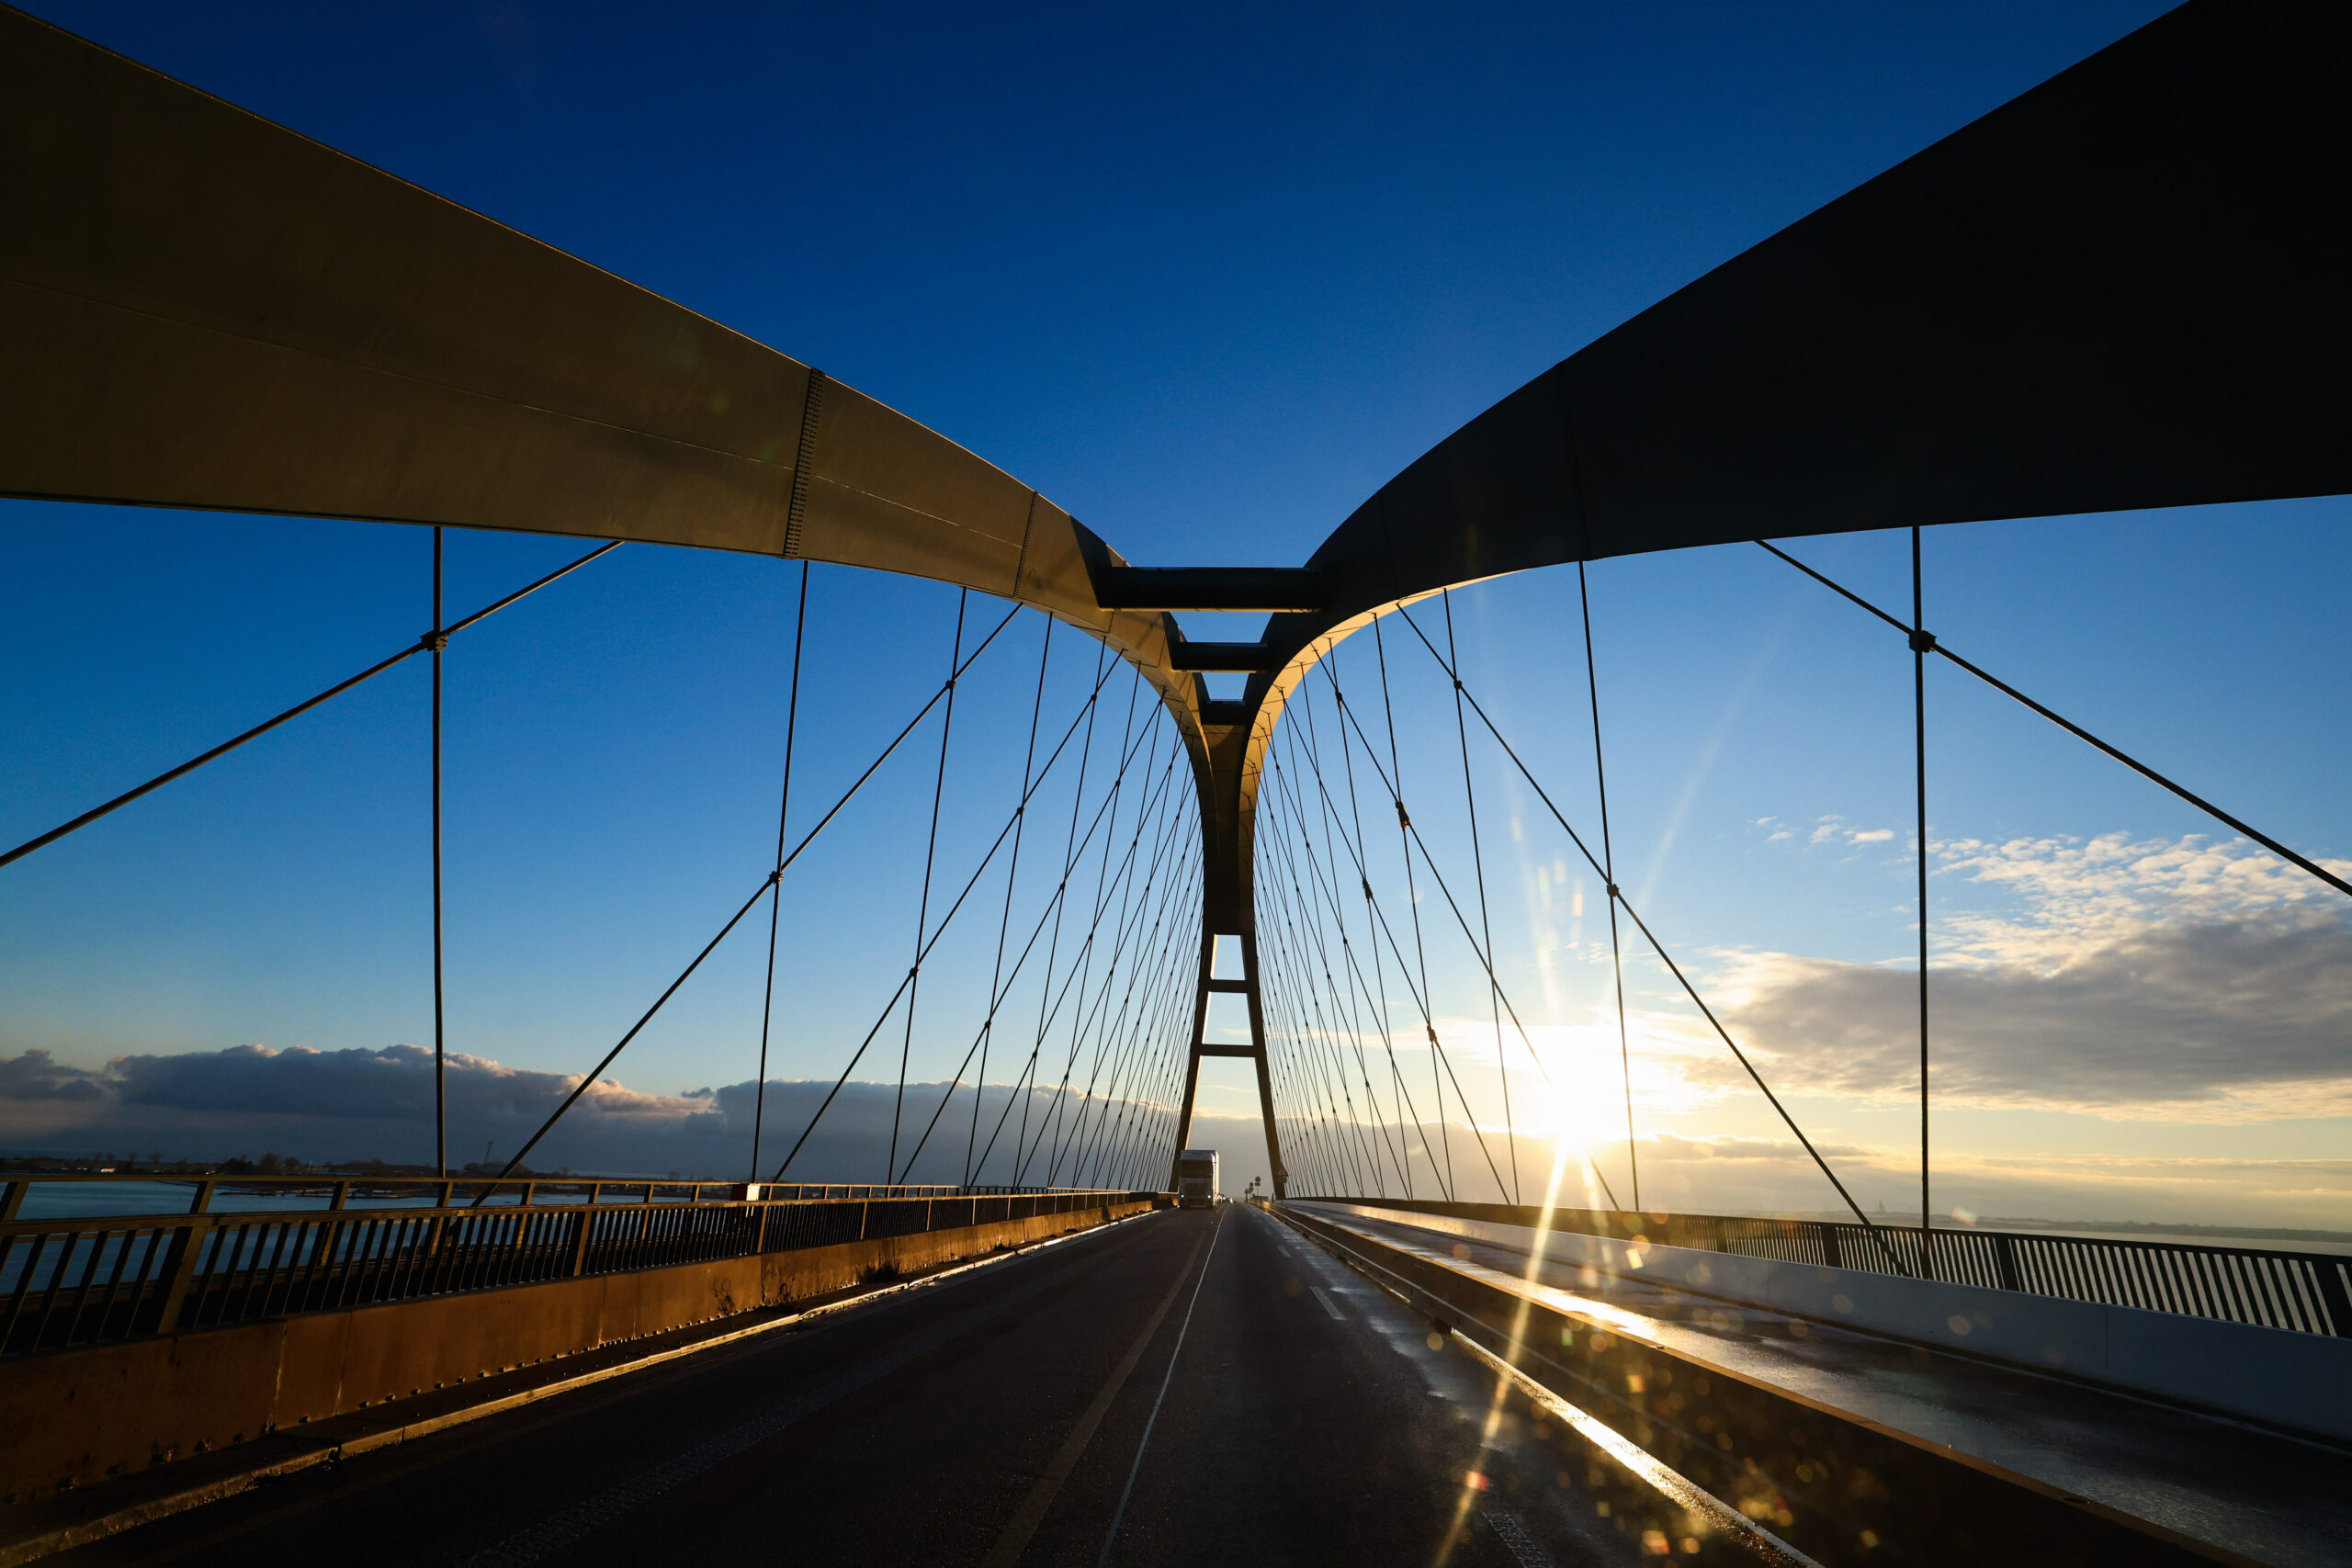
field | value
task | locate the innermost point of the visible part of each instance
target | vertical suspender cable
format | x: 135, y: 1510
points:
x: 1486, y: 928
x: 1875, y: 1232
x: 776, y: 907
x: 1050, y: 1125
x: 1004, y: 921
x: 1429, y: 1017
x: 1608, y: 873
x: 1920, y: 644
x: 1298, y: 915
x: 1405, y: 850
x: 1305, y: 1005
x: 1358, y: 850
x: 440, y: 1042
x: 1053, y: 943
x: 1347, y: 952
x: 1094, y: 1020
x: 922, y: 909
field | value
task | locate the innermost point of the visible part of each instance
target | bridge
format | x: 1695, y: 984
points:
x: 1421, y: 1341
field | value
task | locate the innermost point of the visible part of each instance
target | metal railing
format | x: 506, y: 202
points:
x: 80, y: 1279
x: 94, y: 1192
x: 2304, y: 1292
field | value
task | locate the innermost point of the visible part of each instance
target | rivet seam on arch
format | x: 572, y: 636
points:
x: 1575, y: 462
x: 810, y: 406
x: 1021, y: 561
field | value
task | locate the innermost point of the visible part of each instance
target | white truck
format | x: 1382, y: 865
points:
x: 1196, y: 1179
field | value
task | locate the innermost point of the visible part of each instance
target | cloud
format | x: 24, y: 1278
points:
x: 2178, y: 980
x: 35, y: 1076
x: 1830, y: 830
x: 360, y: 1104
x: 1728, y: 1175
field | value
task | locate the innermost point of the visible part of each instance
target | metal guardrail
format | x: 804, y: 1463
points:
x: 77, y: 1280
x: 336, y: 1190
x: 2303, y: 1292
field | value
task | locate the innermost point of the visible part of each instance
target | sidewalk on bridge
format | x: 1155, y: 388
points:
x: 2273, y: 1497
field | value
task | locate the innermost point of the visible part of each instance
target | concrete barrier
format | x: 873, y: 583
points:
x: 78, y: 1417
x: 2281, y: 1379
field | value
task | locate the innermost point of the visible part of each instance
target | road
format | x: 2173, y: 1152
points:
x: 1197, y: 1388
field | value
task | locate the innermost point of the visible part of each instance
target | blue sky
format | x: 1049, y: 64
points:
x: 1206, y: 278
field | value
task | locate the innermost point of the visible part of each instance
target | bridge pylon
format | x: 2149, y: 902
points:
x: 1247, y: 987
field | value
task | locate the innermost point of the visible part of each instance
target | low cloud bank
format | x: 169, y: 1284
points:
x: 377, y: 1104
x: 2168, y: 980
x: 360, y: 1104
x: 2220, y: 1021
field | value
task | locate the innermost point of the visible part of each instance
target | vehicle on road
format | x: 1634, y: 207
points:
x: 1196, y: 1179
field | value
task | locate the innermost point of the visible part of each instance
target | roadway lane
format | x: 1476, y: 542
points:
x: 1295, y: 1415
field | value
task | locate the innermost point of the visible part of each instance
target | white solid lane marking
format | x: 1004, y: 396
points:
x: 1120, y: 1514
x: 1328, y: 1304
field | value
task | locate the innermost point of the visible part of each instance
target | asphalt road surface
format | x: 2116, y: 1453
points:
x: 1196, y: 1388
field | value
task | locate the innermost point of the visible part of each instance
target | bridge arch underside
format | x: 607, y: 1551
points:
x: 2121, y: 290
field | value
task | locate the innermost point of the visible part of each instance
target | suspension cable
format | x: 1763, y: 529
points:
x: 1327, y: 885
x: 1004, y: 920
x: 1517, y: 1025
x: 1412, y: 899
x: 1110, y: 1029
x: 1080, y: 974
x: 924, y: 712
x: 1073, y: 849
x: 1162, y: 989
x: 582, y: 1087
x: 1151, y: 1117
x: 1306, y: 1004
x: 1919, y: 735
x: 1155, y: 973
x: 1020, y: 961
x: 431, y: 642
x: 1288, y: 938
x: 1316, y: 1038
x: 946, y: 920
x: 1090, y: 1020
x: 1376, y: 920
x: 1144, y: 957
x: 1151, y: 1029
x: 771, y: 879
x: 1439, y: 1060
x: 1483, y: 956
x: 1293, y: 1020
x: 1609, y: 880
x: 1665, y: 958
x: 923, y: 908
x: 2076, y: 731
x: 1308, y: 1072
x: 1093, y: 1020
x: 1375, y: 992
x: 775, y: 906
x: 440, y: 1020
x: 1486, y: 927
x: 1101, y: 655
x: 1083, y: 967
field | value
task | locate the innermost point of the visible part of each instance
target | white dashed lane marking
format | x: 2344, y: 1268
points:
x: 1328, y: 1304
x: 1522, y: 1545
